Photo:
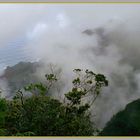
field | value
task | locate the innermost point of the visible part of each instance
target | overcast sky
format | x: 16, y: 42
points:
x: 18, y: 20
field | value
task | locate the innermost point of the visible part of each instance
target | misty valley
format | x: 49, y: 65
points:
x: 32, y: 106
x: 69, y: 70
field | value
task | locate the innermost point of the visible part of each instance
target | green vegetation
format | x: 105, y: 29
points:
x: 43, y: 115
x: 125, y: 123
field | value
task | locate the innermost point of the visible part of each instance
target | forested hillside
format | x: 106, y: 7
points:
x: 125, y: 122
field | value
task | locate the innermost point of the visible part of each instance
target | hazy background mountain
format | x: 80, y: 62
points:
x: 19, y: 76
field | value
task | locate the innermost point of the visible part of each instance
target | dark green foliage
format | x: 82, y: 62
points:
x: 25, y: 134
x: 88, y: 84
x: 42, y: 115
x: 125, y: 123
x: 42, y: 89
x: 3, y: 105
x: 51, y: 77
x: 3, y: 132
x: 3, y: 108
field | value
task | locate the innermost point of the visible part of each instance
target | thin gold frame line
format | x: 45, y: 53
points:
x: 69, y: 2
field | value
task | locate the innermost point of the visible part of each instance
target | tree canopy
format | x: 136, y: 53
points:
x: 42, y: 115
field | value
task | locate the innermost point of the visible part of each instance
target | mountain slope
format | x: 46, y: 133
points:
x: 125, y: 123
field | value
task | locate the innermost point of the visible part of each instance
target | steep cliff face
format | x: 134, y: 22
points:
x: 125, y: 123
